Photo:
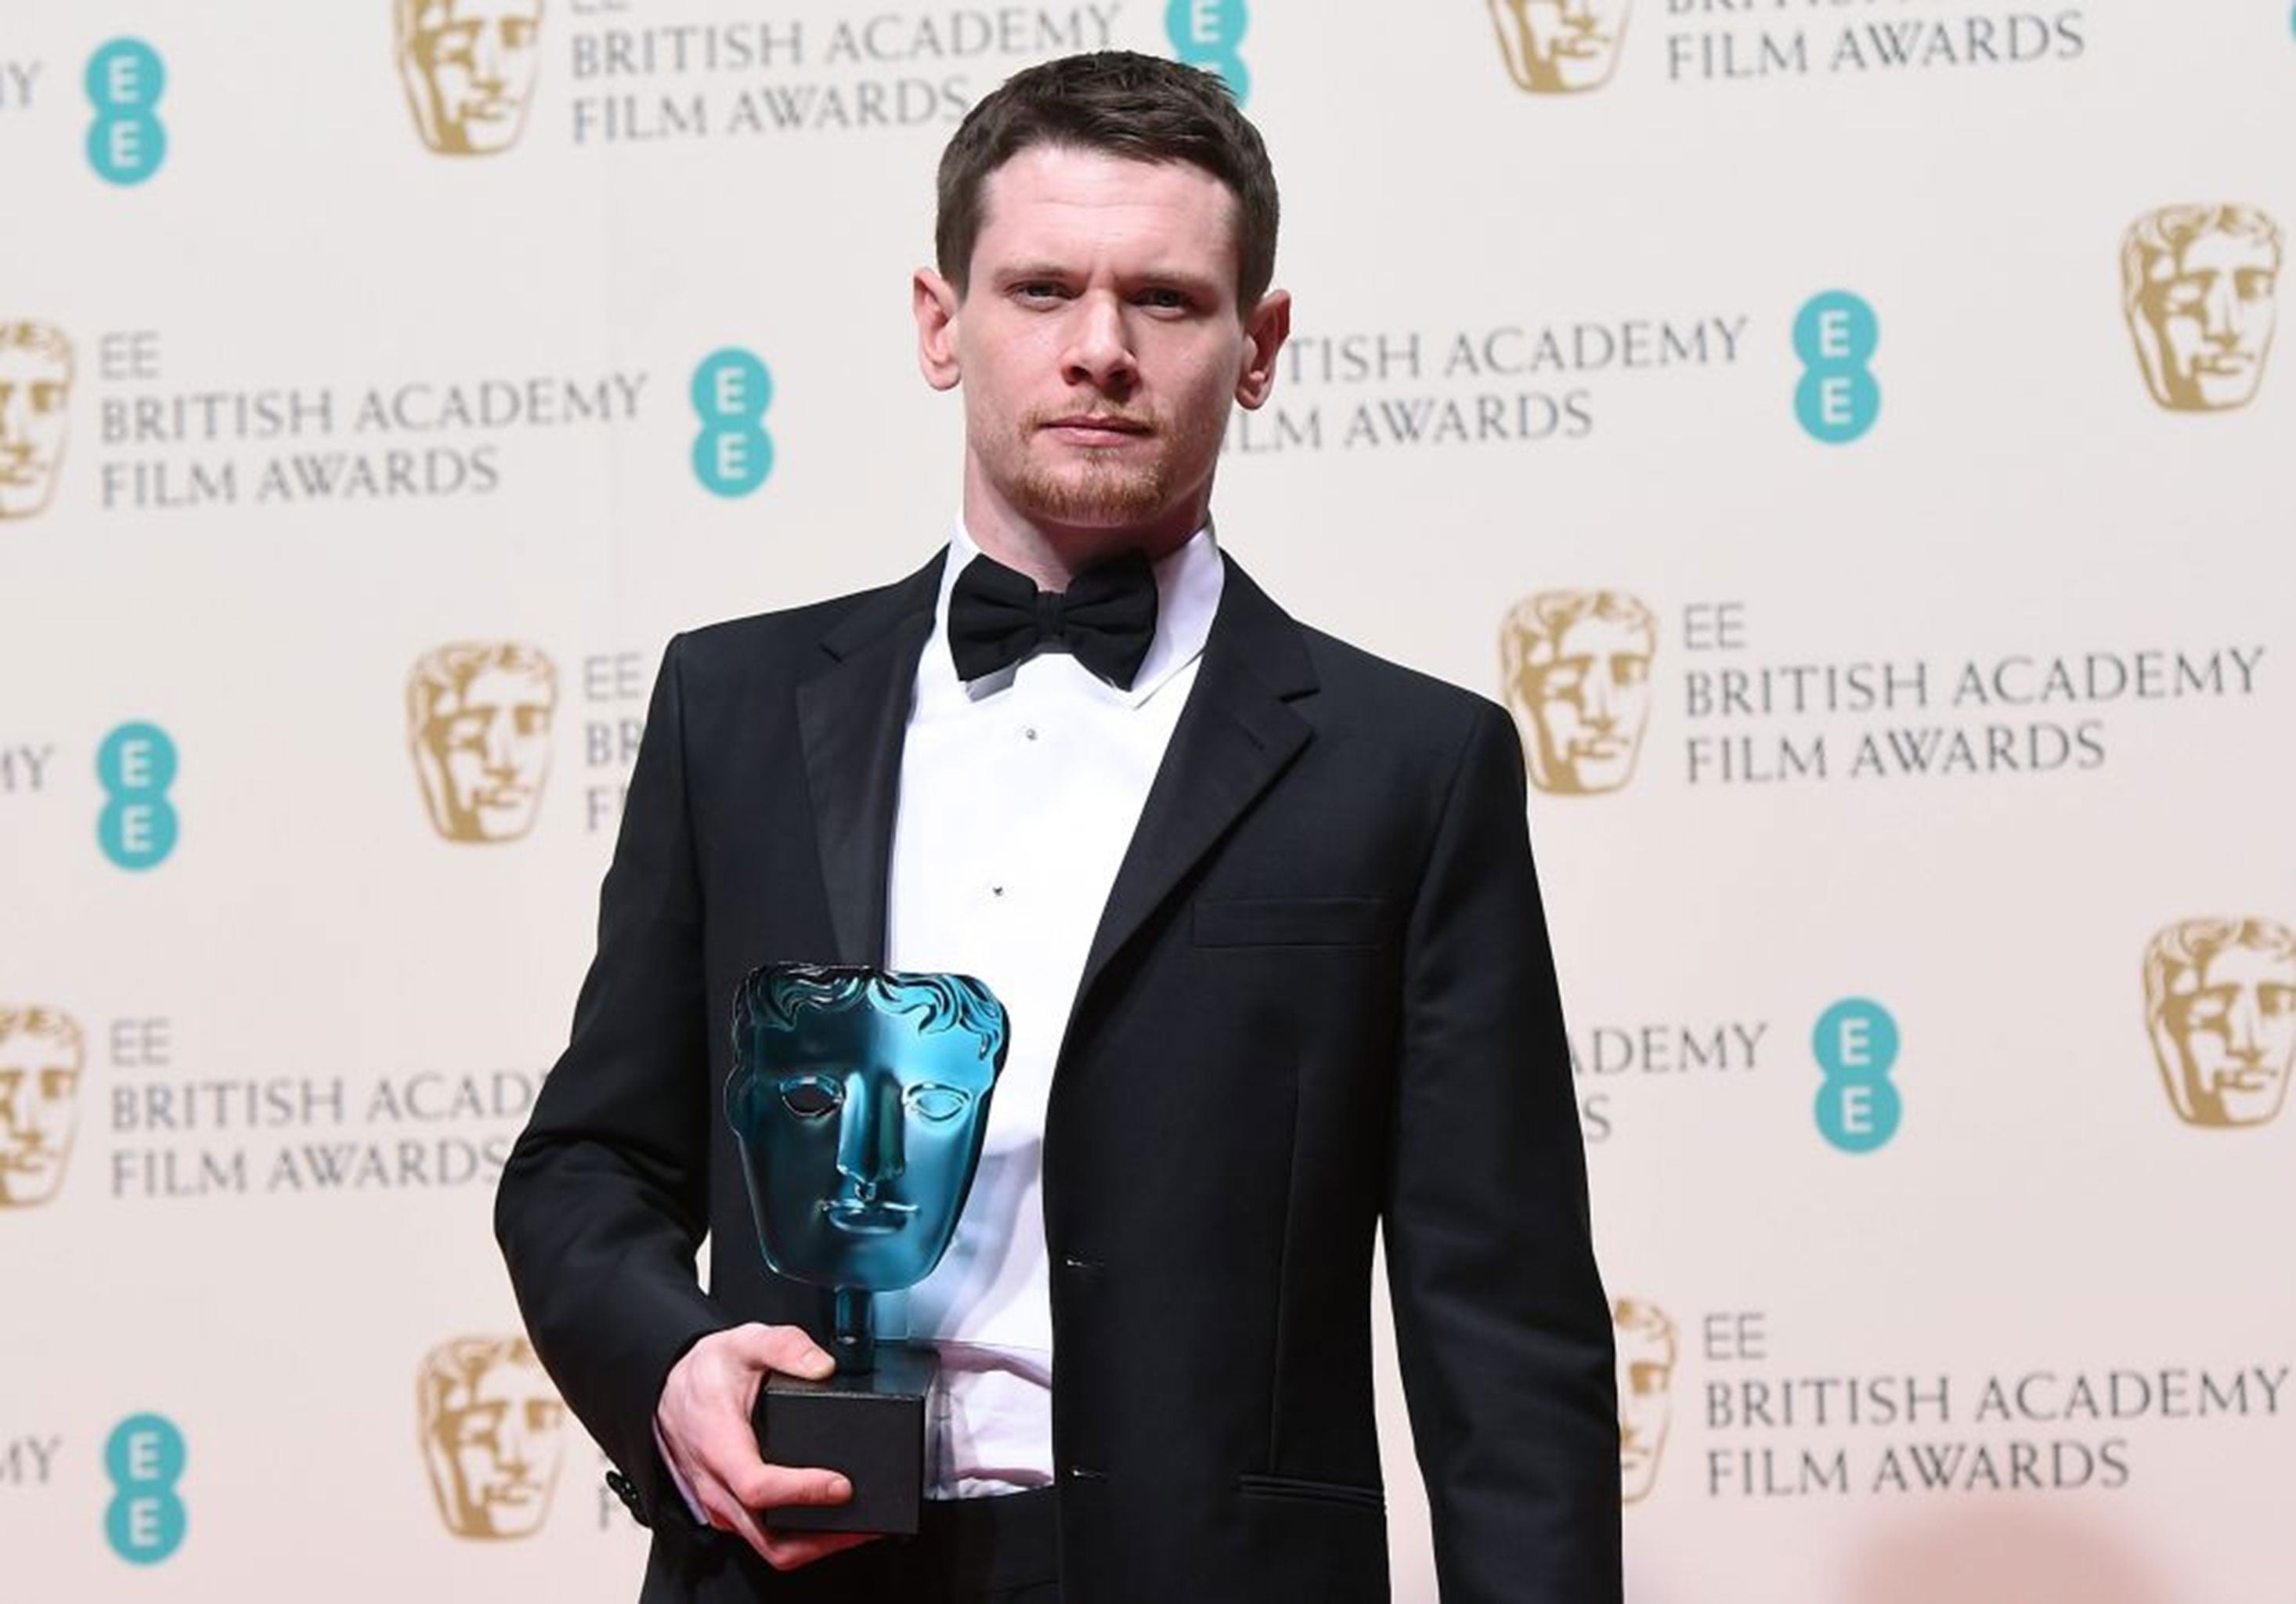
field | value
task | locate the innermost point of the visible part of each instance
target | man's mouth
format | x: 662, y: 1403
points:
x: 1098, y: 429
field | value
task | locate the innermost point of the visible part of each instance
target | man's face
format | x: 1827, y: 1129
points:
x: 487, y: 748
x: 1646, y: 1359
x: 1587, y: 705
x: 468, y: 66
x: 500, y: 1448
x: 860, y: 1135
x: 2211, y: 308
x: 1099, y: 346
x: 35, y: 396
x: 1558, y: 46
x: 2234, y: 1035
x: 39, y: 1098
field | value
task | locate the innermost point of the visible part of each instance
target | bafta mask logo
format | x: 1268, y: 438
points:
x: 2220, y: 997
x: 493, y: 1435
x: 40, y: 1061
x: 468, y: 67
x: 478, y: 721
x: 1646, y: 1344
x: 2198, y: 284
x: 1559, y: 46
x: 36, y: 376
x: 1577, y: 667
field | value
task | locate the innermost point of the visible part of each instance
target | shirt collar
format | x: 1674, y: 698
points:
x: 1188, y: 584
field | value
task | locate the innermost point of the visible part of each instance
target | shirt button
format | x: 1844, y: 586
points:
x: 1029, y: 732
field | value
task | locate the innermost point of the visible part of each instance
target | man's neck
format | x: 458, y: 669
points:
x: 1053, y: 555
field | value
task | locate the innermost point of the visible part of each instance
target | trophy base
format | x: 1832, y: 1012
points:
x: 869, y: 1428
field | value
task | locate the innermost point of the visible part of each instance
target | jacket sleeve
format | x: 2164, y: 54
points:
x: 1502, y: 1326
x: 603, y: 1199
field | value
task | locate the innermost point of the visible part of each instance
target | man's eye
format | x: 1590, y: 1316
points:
x: 811, y: 1097
x: 1167, y: 300
x: 938, y: 1104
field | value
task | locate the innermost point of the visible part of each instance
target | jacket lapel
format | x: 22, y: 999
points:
x: 1238, y: 734
x: 852, y: 717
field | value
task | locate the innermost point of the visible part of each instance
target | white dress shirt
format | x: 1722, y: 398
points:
x: 1019, y: 794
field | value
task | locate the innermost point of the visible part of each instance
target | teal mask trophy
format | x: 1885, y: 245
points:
x: 859, y: 1100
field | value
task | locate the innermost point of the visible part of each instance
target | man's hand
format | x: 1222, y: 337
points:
x: 703, y: 1422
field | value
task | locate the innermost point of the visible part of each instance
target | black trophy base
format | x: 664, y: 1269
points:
x: 870, y: 1429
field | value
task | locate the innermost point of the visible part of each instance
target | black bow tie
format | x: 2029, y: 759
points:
x: 1106, y: 617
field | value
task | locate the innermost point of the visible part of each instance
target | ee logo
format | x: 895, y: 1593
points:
x: 144, y: 1458
x: 125, y: 143
x: 1857, y: 1047
x: 733, y: 454
x: 137, y: 764
x: 1834, y: 335
x: 1208, y: 33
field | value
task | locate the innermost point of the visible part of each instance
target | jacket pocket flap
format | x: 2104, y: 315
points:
x: 1291, y: 922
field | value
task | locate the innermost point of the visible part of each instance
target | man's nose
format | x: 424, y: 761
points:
x: 1099, y: 353
x: 869, y: 1138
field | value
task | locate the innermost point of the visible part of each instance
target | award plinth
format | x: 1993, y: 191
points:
x: 859, y: 1099
x: 870, y: 1429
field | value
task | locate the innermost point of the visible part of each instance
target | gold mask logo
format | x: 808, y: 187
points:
x: 468, y: 67
x: 1646, y: 1344
x: 493, y: 1433
x: 1559, y: 46
x: 2200, y: 286
x: 478, y: 722
x: 1576, y: 665
x: 2220, y: 1001
x: 36, y: 377
x: 41, y: 1057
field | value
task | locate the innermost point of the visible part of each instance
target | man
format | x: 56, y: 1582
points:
x: 2220, y: 997
x: 478, y: 724
x: 1261, y: 909
x: 468, y: 68
x: 36, y: 377
x: 41, y: 1059
x: 2199, y: 285
x: 1576, y: 664
x: 493, y: 1433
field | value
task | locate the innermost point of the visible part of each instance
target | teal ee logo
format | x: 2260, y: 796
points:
x: 144, y: 1458
x: 1837, y: 399
x: 1857, y: 1047
x: 733, y: 454
x: 137, y: 764
x: 125, y: 143
x: 1208, y: 33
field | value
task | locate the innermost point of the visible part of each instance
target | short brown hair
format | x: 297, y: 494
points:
x: 1124, y: 104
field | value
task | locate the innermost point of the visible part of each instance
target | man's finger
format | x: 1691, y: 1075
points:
x: 789, y: 1350
x: 787, y: 1553
x: 773, y: 1486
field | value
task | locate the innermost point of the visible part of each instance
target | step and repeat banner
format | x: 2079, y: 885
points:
x: 1845, y: 432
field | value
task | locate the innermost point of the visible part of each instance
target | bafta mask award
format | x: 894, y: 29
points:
x: 859, y: 1098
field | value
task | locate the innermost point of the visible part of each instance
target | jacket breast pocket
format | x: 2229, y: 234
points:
x: 1290, y: 922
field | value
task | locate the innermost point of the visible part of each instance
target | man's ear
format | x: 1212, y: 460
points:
x: 934, y: 300
x: 1264, y: 332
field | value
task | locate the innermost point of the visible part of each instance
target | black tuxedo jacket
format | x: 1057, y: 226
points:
x: 1320, y: 1000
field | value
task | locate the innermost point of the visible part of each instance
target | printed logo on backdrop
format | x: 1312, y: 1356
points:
x: 1575, y: 669
x: 732, y: 454
x: 42, y: 1059
x: 1643, y: 1338
x: 136, y: 767
x: 1210, y: 34
x: 469, y: 69
x: 1771, y: 1425
x: 841, y: 72
x: 1729, y: 714
x: 144, y: 1458
x: 1559, y: 46
x: 1835, y: 336
x: 479, y: 716
x: 35, y: 381
x: 127, y: 142
x: 493, y: 1435
x: 2199, y: 289
x: 1856, y: 1043
x: 167, y: 442
x: 2221, y: 1006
